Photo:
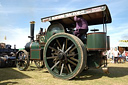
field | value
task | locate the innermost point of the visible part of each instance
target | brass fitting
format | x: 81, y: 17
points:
x: 32, y: 22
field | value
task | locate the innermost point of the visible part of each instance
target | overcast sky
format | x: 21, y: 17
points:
x: 15, y: 16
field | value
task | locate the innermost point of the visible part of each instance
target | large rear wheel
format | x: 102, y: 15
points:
x: 64, y: 56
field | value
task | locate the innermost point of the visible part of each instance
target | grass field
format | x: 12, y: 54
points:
x: 33, y: 76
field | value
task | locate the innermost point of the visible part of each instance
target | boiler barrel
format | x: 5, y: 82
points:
x: 96, y: 41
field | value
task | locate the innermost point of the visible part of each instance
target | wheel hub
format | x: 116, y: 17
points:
x: 62, y: 56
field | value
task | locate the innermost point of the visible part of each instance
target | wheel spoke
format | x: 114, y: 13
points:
x: 59, y: 49
x: 59, y: 64
x: 20, y: 55
x: 63, y: 47
x: 73, y: 59
x: 58, y: 43
x: 55, y: 65
x: 73, y: 54
x: 69, y: 68
x: 55, y: 54
x: 24, y: 57
x: 62, y: 67
x: 23, y: 64
x: 53, y: 48
x: 52, y: 57
x: 69, y: 48
x: 66, y: 44
x: 66, y: 68
x: 72, y: 49
x: 72, y: 62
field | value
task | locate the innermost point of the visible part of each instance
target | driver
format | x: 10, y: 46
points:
x: 81, y: 26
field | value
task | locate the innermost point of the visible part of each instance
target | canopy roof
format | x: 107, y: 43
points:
x: 93, y: 15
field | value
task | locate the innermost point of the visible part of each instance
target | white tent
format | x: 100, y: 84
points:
x: 123, y: 43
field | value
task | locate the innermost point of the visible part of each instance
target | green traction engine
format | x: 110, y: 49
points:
x: 63, y: 54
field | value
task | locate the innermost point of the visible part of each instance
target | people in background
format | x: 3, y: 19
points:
x: 111, y: 54
x: 123, y: 56
x: 126, y: 54
x: 116, y: 55
x: 108, y: 54
x: 81, y: 26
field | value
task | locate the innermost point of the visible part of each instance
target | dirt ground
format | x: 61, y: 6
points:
x: 118, y: 76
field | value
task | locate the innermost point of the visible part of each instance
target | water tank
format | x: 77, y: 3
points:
x: 96, y: 41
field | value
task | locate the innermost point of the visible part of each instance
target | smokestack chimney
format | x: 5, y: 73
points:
x: 32, y: 23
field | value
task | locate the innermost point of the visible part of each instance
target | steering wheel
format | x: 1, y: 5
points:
x: 94, y: 30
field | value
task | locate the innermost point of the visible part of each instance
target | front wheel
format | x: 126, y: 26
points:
x: 64, y: 56
x: 22, y: 60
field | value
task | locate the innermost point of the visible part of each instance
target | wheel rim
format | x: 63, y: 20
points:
x: 63, y: 56
x: 22, y: 61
